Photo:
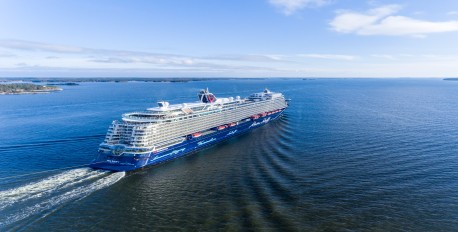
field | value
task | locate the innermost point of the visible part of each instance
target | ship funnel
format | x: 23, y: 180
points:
x: 206, y: 97
x: 163, y: 104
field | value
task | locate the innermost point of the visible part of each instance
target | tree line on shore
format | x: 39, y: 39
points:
x: 24, y: 87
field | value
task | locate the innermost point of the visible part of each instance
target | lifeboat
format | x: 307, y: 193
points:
x: 255, y: 116
x: 196, y: 135
x: 264, y: 114
x: 232, y: 124
x: 221, y: 127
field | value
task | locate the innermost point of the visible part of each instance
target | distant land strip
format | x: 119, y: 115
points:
x: 68, y: 80
x: 24, y: 88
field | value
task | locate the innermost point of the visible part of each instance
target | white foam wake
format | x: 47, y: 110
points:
x: 47, y: 186
x: 49, y: 203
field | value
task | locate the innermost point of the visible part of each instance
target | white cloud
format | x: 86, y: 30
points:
x: 384, y: 56
x: 96, y: 55
x: 247, y: 57
x: 400, y: 25
x: 36, y: 46
x: 6, y: 54
x: 41, y: 57
x: 382, y: 21
x: 32, y: 46
x: 108, y: 56
x: 329, y: 56
x: 347, y: 22
x: 289, y: 7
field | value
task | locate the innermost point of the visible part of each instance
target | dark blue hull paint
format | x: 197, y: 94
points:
x: 122, y: 163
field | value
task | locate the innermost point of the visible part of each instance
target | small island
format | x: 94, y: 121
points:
x: 24, y: 88
x: 66, y: 83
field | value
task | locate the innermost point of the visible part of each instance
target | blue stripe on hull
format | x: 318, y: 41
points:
x: 121, y: 163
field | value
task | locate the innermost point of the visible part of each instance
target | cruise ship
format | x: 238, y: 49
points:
x: 167, y: 132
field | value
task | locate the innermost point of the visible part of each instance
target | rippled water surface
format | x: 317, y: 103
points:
x: 352, y: 154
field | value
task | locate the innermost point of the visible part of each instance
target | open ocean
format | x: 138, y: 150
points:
x: 348, y: 155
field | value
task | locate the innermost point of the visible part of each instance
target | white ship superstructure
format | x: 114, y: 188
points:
x: 165, y: 125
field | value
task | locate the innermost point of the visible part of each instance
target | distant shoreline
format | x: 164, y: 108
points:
x: 35, y: 85
x: 23, y: 88
x: 31, y: 92
x: 74, y: 81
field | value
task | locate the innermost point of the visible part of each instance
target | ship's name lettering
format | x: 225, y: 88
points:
x: 205, y: 142
x: 232, y: 132
x: 266, y: 120
x: 170, y: 153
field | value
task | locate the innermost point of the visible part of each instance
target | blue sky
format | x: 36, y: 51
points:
x: 237, y: 38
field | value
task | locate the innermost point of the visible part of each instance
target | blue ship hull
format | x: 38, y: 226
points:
x: 123, y: 163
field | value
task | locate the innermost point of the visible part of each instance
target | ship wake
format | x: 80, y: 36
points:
x: 43, y: 196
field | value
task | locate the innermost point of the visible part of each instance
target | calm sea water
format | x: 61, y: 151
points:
x: 353, y: 154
